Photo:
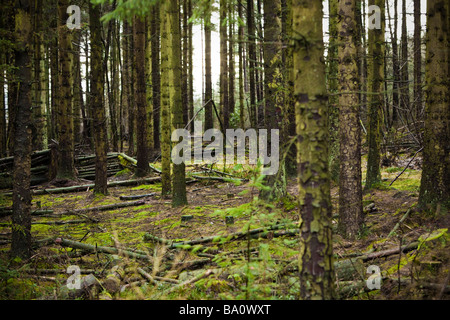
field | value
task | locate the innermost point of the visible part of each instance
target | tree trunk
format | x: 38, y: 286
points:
x: 251, y: 61
x: 316, y: 246
x: 97, y: 106
x: 375, y: 100
x: 209, y: 123
x: 21, y: 218
x: 66, y: 167
x: 165, y: 100
x: 404, y: 91
x: 224, y: 106
x: 435, y: 182
x: 273, y: 83
x: 350, y: 192
x: 142, y: 168
x: 417, y: 65
x: 179, y: 179
x: 156, y: 76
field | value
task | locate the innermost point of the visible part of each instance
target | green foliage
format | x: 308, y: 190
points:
x: 126, y: 9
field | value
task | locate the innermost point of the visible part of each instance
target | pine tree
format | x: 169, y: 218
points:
x: 350, y: 191
x: 98, y: 108
x: 376, y: 98
x: 435, y: 181
x: 316, y: 245
x: 21, y: 218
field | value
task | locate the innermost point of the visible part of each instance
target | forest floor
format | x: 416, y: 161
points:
x: 142, y: 251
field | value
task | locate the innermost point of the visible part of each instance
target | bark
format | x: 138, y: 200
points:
x: 273, y: 84
x: 350, y: 191
x: 417, y: 63
x: 241, y: 65
x: 251, y: 61
x: 435, y: 181
x: 156, y: 75
x: 140, y: 98
x: 315, y: 255
x: 224, y: 101
x: 376, y: 99
x: 165, y: 100
x: 179, y: 175
x: 21, y: 218
x: 97, y: 106
x: 209, y: 123
x: 66, y: 168
x: 404, y: 90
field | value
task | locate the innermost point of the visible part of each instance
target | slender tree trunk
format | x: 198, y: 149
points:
x: 417, y: 65
x: 140, y: 98
x: 273, y: 81
x: 435, y: 183
x: 156, y: 76
x: 3, y: 127
x: 241, y: 64
x: 209, y: 123
x: 333, y: 100
x: 231, y: 67
x: 148, y: 83
x: 251, y: 61
x: 77, y: 89
x: 165, y: 100
x: 66, y: 166
x: 190, y: 66
x: 224, y: 106
x: 350, y: 190
x: 98, y: 108
x: 316, y: 245
x: 376, y: 100
x: 404, y: 91
x: 21, y: 218
x: 395, y: 67
x: 179, y: 180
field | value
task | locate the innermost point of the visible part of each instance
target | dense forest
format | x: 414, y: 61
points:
x: 224, y: 149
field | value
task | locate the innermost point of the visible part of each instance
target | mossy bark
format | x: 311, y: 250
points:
x: 66, y: 167
x: 21, y: 218
x: 315, y: 250
x: 435, y: 182
x: 209, y: 123
x: 165, y: 100
x: 274, y: 93
x: 350, y: 189
x: 179, y: 176
x: 224, y: 96
x: 142, y: 168
x: 375, y: 61
x: 98, y: 108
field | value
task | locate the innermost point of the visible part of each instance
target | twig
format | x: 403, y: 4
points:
x: 398, y: 223
x: 406, y: 166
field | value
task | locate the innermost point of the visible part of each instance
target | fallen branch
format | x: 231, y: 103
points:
x: 138, y: 196
x: 406, y: 166
x: 104, y: 207
x: 102, y: 249
x: 398, y: 223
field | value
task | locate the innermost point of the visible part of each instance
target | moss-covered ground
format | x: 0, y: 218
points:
x: 250, y: 268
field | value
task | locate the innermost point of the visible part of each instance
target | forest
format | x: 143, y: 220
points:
x: 224, y: 150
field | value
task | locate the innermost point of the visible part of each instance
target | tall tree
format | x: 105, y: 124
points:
x: 333, y: 84
x: 21, y: 218
x: 97, y: 106
x: 375, y: 62
x: 273, y: 82
x: 165, y: 99
x: 316, y: 246
x: 156, y: 75
x: 179, y: 180
x: 435, y: 182
x: 350, y: 190
x: 209, y: 123
x: 224, y: 106
x: 66, y: 166
x: 140, y: 98
x: 241, y: 63
x: 404, y: 91
x: 251, y: 61
x: 417, y: 61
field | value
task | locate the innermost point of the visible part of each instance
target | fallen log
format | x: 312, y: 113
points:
x: 138, y: 196
x: 102, y: 249
x: 134, y: 162
x: 86, y: 187
x: 104, y: 207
